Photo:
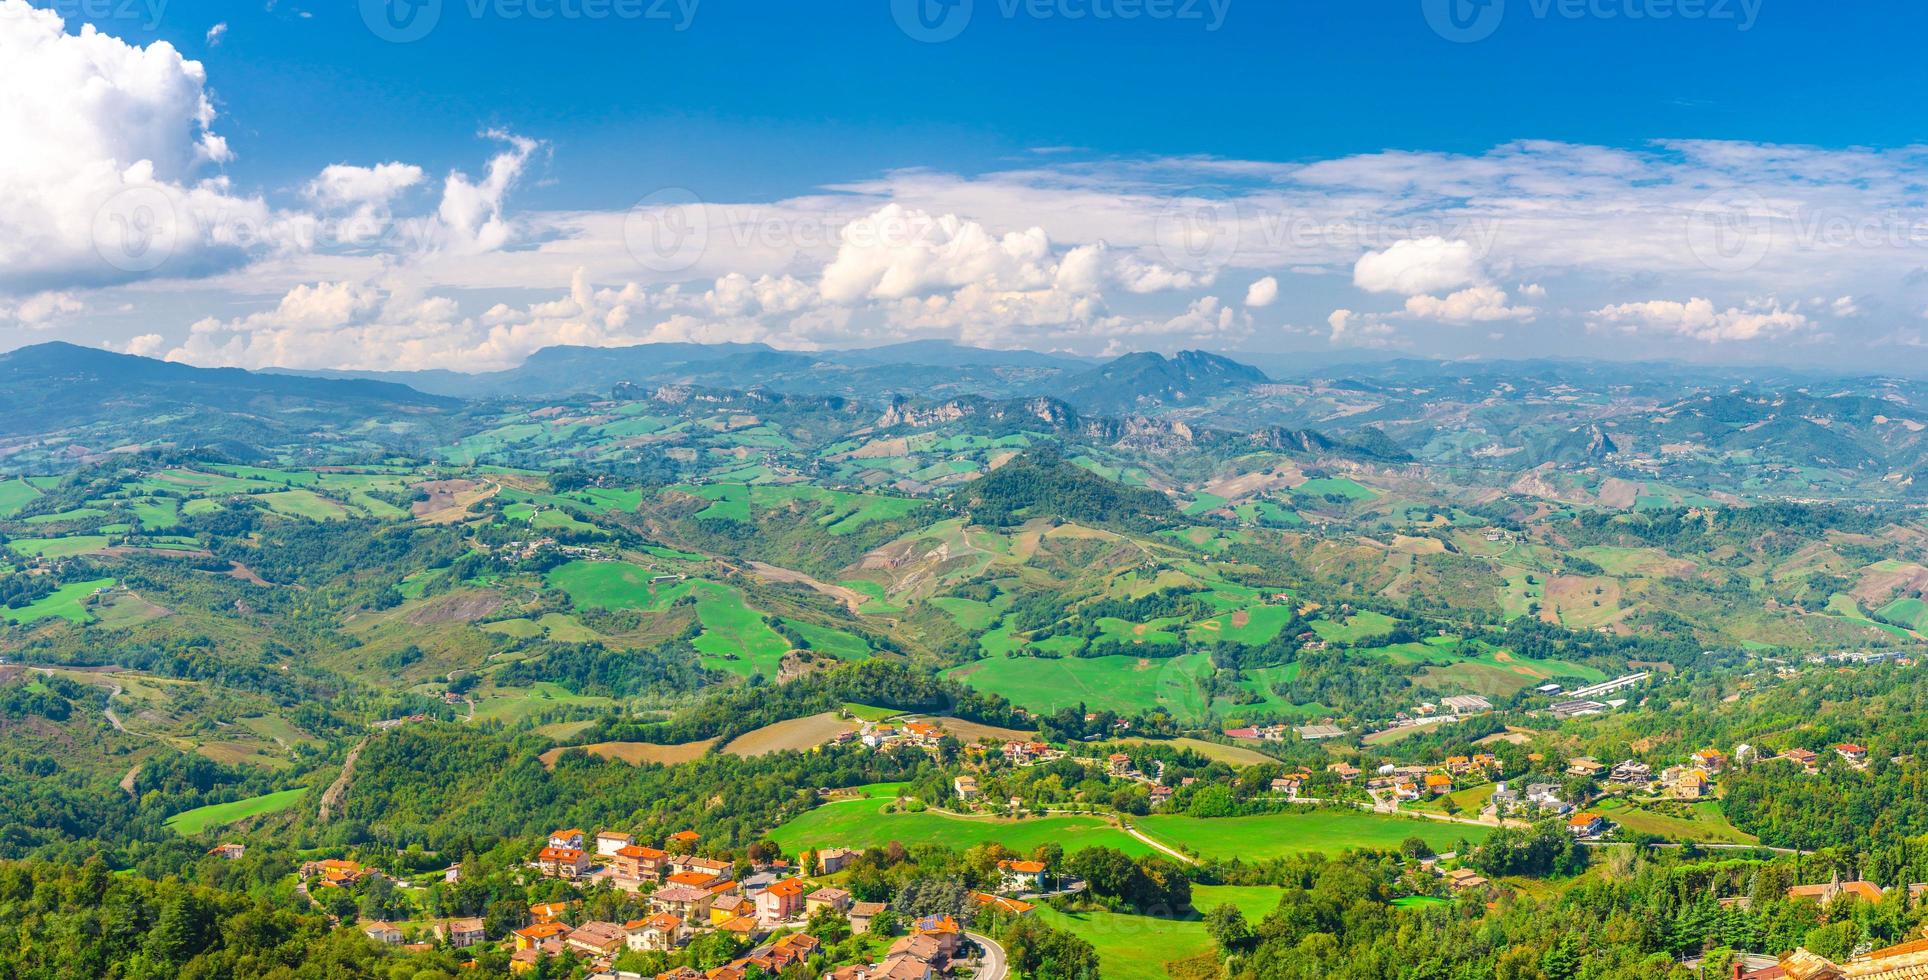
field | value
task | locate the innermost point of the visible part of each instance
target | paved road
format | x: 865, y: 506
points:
x: 994, y: 966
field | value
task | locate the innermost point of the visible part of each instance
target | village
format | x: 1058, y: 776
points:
x: 763, y: 906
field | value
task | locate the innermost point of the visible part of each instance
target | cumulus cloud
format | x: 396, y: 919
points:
x: 1698, y: 319
x: 103, y: 139
x: 898, y: 252
x: 1262, y: 293
x: 1418, y: 265
x: 1474, y: 305
x: 1349, y: 329
x: 472, y: 210
x: 42, y: 310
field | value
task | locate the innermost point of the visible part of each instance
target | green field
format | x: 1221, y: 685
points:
x: 862, y: 823
x: 1701, y: 821
x: 1137, y: 947
x: 609, y: 585
x: 15, y: 494
x: 1127, y: 685
x: 67, y: 602
x: 83, y: 544
x: 1912, y: 613
x: 1301, y: 831
x: 1339, y: 486
x: 735, y: 637
x: 191, y: 822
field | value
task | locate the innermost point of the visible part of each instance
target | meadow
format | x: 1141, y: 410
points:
x: 863, y: 823
x: 190, y: 822
x: 1302, y: 831
x: 1137, y: 947
x: 1127, y: 685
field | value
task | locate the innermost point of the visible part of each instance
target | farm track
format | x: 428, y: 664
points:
x: 338, y: 789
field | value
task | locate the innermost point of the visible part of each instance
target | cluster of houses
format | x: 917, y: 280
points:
x: 1407, y: 784
x: 889, y: 735
x: 928, y: 950
x: 690, y: 895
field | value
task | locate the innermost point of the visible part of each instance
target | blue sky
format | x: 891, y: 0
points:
x: 758, y: 97
x: 1538, y: 177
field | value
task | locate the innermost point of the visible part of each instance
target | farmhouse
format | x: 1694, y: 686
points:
x: 1586, y: 825
x: 1851, y: 752
x: 460, y: 933
x: 1710, y: 761
x: 965, y: 787
x: 386, y: 933
x: 1866, y: 891
x: 826, y: 898
x: 862, y: 912
x: 1022, y: 876
x: 831, y: 860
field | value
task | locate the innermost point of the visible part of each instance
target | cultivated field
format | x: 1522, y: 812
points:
x: 191, y: 822
x: 1326, y: 831
x: 635, y: 753
x: 797, y: 734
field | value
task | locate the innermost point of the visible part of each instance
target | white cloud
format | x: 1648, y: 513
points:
x: 41, y: 310
x: 344, y: 185
x: 216, y: 33
x: 1351, y: 329
x: 1473, y: 305
x: 1697, y: 319
x: 85, y: 117
x: 472, y: 211
x: 1418, y: 265
x: 1262, y: 293
x: 898, y: 252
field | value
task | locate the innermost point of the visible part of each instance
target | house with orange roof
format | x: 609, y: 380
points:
x: 563, y: 862
x: 566, y: 839
x: 1586, y: 825
x: 1009, y: 906
x: 1710, y: 761
x: 1021, y: 876
x: 533, y: 936
x: 1827, y: 894
x: 1438, y: 783
x: 543, y: 912
x: 636, y: 863
x: 1119, y: 763
x: 780, y: 902
x: 685, y: 837
x: 661, y: 932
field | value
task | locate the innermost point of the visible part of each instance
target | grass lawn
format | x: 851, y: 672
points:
x: 66, y: 602
x: 1127, y: 685
x: 1358, y: 627
x: 862, y: 823
x: 191, y: 822
x: 15, y: 494
x: 1137, y: 947
x: 1701, y: 821
x: 1301, y: 831
x: 82, y: 544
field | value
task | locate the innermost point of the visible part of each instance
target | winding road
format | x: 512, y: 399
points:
x: 995, y: 965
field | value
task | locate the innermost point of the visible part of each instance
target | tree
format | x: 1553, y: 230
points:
x: 1228, y: 928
